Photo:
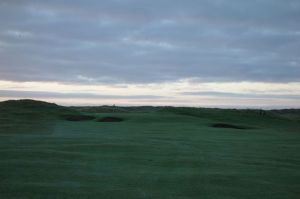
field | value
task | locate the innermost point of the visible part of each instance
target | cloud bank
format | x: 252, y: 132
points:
x: 136, y: 42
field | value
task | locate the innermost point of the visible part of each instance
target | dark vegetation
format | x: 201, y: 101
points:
x: 155, y: 152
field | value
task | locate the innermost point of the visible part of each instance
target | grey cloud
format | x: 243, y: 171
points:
x: 241, y: 95
x: 40, y: 94
x: 135, y: 41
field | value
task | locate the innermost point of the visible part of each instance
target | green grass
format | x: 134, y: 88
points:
x: 164, y: 153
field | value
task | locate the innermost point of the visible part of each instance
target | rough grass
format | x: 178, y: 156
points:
x: 157, y: 154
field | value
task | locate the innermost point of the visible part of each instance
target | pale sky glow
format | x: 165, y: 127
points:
x: 169, y: 88
x: 181, y: 93
x: 212, y: 53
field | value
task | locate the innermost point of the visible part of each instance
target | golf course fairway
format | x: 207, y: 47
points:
x: 49, y: 151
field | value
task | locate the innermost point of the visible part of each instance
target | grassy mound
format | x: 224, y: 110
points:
x: 31, y: 107
x: 26, y: 116
x: 27, y: 103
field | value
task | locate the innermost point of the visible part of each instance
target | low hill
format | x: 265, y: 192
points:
x: 27, y: 103
x: 32, y: 106
x: 292, y: 114
x: 26, y: 115
x: 118, y: 109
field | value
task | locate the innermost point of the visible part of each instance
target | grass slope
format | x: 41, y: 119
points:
x: 30, y: 116
x: 163, y: 153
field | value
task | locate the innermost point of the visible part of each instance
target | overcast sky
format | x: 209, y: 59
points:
x: 160, y: 52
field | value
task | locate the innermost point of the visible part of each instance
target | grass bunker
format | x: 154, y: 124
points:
x: 230, y: 126
x: 77, y: 118
x: 110, y: 119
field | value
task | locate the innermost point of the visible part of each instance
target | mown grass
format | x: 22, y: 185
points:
x: 164, y: 153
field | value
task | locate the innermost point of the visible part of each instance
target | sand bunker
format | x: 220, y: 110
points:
x: 231, y: 126
x: 76, y: 118
x: 110, y: 119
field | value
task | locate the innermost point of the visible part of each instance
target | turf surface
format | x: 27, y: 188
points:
x: 164, y: 153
